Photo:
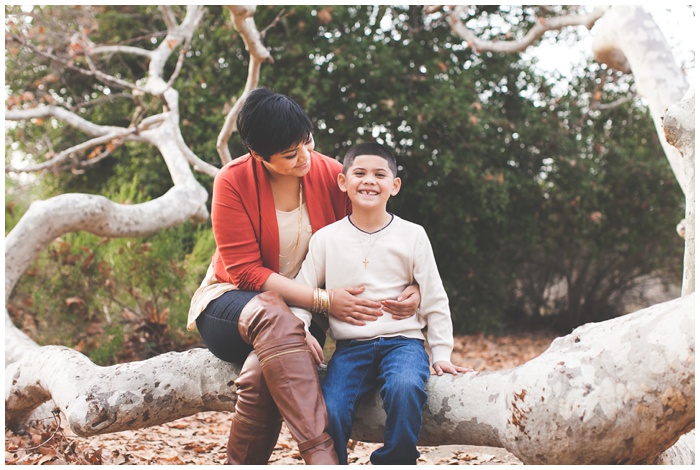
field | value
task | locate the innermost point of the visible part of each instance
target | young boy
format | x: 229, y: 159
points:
x: 377, y: 249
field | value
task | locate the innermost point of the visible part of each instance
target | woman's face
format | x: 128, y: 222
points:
x: 295, y: 161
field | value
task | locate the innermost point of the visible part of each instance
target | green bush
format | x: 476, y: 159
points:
x: 114, y: 299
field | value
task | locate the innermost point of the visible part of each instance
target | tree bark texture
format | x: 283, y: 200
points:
x: 620, y: 391
x: 679, y: 129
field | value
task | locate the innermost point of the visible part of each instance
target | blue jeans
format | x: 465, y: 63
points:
x: 400, y: 367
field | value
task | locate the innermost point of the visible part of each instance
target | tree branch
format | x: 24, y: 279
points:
x: 627, y: 37
x: 65, y: 154
x: 679, y: 130
x: 168, y: 17
x: 68, y: 117
x: 177, y: 34
x: 543, y: 25
x: 570, y: 405
x: 242, y: 16
x: 98, y: 50
x: 46, y: 220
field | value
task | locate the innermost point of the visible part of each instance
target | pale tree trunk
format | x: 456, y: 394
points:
x: 619, y: 391
x: 627, y: 39
x: 46, y: 220
x: 679, y: 127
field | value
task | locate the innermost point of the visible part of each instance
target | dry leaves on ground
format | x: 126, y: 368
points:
x: 201, y: 439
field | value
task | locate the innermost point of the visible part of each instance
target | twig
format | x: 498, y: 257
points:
x: 180, y: 61
x: 273, y: 22
x: 57, y: 419
x: 90, y: 73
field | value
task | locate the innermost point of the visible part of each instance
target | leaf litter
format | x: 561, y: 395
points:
x: 201, y: 439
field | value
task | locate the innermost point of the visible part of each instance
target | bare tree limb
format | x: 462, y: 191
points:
x: 65, y: 154
x: 197, y: 163
x: 620, y: 391
x: 168, y: 17
x: 543, y: 25
x: 627, y: 37
x: 109, y: 149
x: 46, y: 220
x: 679, y: 129
x: 613, y: 104
x: 64, y: 115
x: 68, y: 63
x: 99, y: 50
x: 177, y: 34
x: 242, y: 16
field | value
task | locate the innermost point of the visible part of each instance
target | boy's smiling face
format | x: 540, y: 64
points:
x: 369, y: 182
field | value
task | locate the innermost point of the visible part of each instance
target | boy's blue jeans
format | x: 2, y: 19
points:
x: 400, y: 367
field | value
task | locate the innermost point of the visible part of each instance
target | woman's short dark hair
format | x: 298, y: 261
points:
x: 269, y: 122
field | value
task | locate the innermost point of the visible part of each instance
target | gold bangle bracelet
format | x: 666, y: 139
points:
x: 321, y: 303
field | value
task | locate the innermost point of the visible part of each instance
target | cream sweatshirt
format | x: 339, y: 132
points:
x: 396, y: 256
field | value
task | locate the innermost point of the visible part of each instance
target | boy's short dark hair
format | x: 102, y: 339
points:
x: 269, y: 123
x: 370, y: 148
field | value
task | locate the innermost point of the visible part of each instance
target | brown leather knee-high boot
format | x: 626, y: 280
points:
x: 256, y: 423
x: 290, y: 373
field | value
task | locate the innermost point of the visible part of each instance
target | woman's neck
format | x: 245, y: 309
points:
x: 285, y: 192
x: 371, y: 221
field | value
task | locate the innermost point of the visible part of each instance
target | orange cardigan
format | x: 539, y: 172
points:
x: 245, y: 222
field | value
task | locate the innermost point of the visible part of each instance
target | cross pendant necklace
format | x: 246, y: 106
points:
x: 368, y: 250
x: 374, y: 236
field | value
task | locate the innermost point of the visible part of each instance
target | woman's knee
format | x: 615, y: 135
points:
x: 268, y: 312
x: 266, y: 306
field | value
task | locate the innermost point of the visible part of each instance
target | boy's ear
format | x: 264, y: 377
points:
x: 341, y: 182
x: 396, y: 186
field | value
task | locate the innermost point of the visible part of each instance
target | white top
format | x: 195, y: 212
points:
x: 396, y: 256
x: 290, y: 261
x: 294, y: 239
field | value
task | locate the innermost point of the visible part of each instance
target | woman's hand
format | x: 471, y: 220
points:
x: 347, y: 307
x: 316, y: 350
x: 405, y: 305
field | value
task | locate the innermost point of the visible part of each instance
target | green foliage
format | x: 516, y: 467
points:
x: 124, y: 297
x: 610, y: 204
x: 520, y: 190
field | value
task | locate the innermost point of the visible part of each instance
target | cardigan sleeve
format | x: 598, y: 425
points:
x: 238, y: 252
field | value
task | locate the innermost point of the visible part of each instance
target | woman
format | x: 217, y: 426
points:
x: 265, y: 206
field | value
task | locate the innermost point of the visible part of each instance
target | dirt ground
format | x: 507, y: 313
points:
x: 201, y: 439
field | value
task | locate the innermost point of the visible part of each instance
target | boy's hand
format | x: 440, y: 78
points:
x: 446, y: 366
x: 316, y: 350
x: 406, y: 305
